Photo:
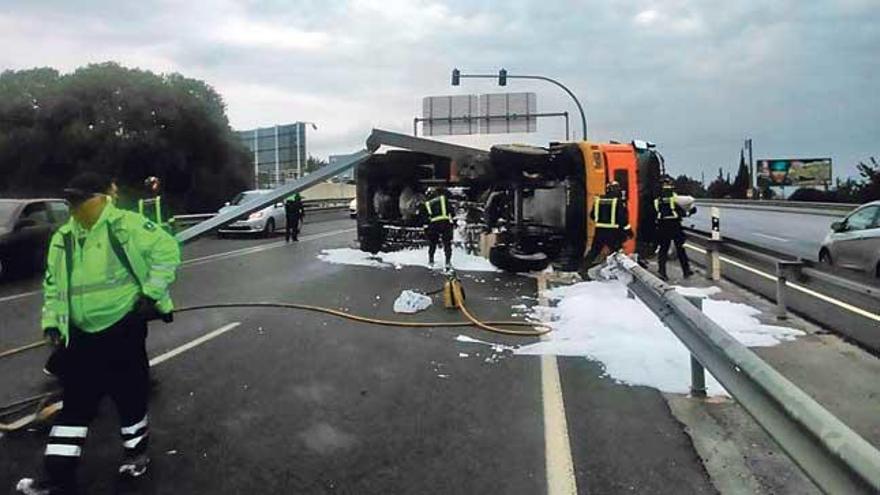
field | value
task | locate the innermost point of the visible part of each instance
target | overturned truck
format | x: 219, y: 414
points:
x: 527, y: 206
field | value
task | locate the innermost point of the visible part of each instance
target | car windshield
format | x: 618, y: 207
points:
x: 7, y: 209
x: 246, y: 196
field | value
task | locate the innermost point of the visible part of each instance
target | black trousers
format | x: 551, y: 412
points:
x: 439, y: 232
x: 291, y: 230
x: 610, y: 239
x: 670, y: 232
x: 111, y: 363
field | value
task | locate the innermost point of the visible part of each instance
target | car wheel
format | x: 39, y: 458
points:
x: 509, y: 260
x: 269, y: 229
x: 825, y: 257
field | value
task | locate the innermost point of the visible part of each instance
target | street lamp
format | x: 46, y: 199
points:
x: 299, y: 141
x: 503, y: 76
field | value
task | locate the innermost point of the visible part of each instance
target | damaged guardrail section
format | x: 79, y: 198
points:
x: 832, y: 455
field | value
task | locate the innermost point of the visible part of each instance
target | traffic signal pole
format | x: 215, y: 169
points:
x: 502, y: 77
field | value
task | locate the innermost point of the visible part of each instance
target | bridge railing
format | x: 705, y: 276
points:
x: 184, y: 221
x: 806, y: 207
x: 831, y: 454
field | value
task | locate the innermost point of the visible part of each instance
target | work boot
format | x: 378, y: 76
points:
x: 687, y: 273
x: 30, y: 486
x: 662, y: 275
x: 134, y: 467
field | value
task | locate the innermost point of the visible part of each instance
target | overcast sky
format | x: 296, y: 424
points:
x: 696, y: 77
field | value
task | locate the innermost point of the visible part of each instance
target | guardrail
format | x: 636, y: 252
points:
x: 843, y: 304
x: 831, y: 454
x: 822, y: 209
x: 183, y: 221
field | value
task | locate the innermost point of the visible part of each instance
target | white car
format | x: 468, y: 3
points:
x: 265, y: 221
x: 353, y: 208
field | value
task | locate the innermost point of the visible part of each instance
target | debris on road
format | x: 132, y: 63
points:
x: 410, y: 302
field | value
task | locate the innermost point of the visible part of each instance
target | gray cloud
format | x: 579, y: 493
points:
x: 696, y: 77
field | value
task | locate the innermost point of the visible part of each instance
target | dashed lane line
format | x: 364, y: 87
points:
x: 213, y: 257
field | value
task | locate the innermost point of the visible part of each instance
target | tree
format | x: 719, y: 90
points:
x: 688, y: 186
x: 870, y: 183
x: 741, y: 183
x: 313, y: 163
x: 720, y: 187
x: 127, y: 123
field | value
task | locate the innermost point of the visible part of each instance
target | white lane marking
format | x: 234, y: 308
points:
x: 260, y: 248
x: 818, y: 295
x: 19, y: 296
x: 193, y: 343
x: 773, y: 237
x: 214, y: 257
x: 557, y: 444
x: 56, y: 406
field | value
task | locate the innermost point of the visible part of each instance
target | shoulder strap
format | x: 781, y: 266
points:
x: 116, y: 246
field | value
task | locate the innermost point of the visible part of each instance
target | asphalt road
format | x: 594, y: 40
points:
x: 787, y: 232
x: 293, y: 402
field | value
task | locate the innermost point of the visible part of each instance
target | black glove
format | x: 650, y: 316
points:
x: 146, y: 309
x: 629, y: 233
x: 53, y: 336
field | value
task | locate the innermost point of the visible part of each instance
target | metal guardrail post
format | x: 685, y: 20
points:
x: 784, y: 271
x: 698, y: 373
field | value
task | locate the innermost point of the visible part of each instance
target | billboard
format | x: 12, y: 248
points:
x: 795, y: 171
x: 450, y: 115
x: 508, y: 113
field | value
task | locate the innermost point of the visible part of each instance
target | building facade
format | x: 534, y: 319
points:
x: 279, y: 153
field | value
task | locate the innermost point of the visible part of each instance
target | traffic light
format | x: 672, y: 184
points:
x: 502, y: 77
x: 456, y: 77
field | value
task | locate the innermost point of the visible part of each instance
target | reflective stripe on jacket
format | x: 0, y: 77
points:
x: 155, y: 204
x: 441, y: 214
x: 666, y: 208
x: 605, y: 213
x: 94, y: 277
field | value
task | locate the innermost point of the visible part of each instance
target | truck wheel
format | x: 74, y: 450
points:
x: 509, y: 260
x: 510, y: 160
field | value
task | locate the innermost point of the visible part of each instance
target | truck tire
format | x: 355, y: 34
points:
x: 509, y: 260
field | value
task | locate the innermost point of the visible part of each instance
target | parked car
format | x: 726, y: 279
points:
x: 25, y: 228
x: 265, y: 221
x: 854, y: 242
x: 353, y: 208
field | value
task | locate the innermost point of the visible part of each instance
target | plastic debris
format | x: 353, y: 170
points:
x: 411, y: 302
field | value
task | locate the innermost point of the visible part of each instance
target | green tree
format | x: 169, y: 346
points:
x: 124, y: 122
x: 688, y: 186
x: 313, y: 163
x: 739, y: 188
x: 720, y: 187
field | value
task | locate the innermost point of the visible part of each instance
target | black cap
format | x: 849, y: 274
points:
x: 85, y: 185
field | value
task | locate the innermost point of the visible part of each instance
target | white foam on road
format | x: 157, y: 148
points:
x: 597, y: 320
x: 461, y: 260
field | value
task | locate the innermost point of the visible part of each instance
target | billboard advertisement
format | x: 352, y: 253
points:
x: 795, y: 172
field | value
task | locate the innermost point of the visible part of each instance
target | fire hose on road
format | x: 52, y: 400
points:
x: 453, y: 295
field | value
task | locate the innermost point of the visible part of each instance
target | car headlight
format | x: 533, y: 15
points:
x: 257, y: 215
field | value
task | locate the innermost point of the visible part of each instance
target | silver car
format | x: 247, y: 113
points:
x: 854, y: 242
x: 265, y: 221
